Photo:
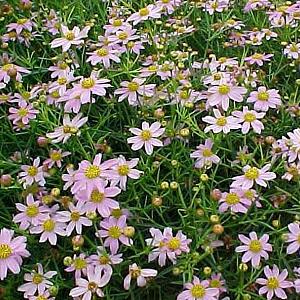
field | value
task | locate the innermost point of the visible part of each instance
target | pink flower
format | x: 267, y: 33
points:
x: 56, y: 157
x: 253, y: 175
x: 61, y: 84
x: 292, y: 50
x: 258, y: 58
x: 37, y: 281
x: 69, y: 128
x: 92, y: 175
x: 123, y: 170
x: 8, y: 69
x: 166, y: 245
x: 220, y: 123
x: 150, y: 11
x: 293, y: 238
x: 61, y: 69
x: 221, y: 94
x: 12, y: 250
x: 217, y: 282
x: 104, y: 55
x: 89, y: 86
x: 255, y: 248
x: 43, y: 296
x: 49, y: 228
x: 141, y: 276
x: 275, y: 283
x: 198, y: 290
x: 146, y: 137
x: 234, y: 202
x: 264, y: 99
x: 100, y: 199
x: 123, y: 36
x: 91, y: 286
x: 204, y: 155
x: 24, y: 113
x: 70, y: 37
x: 249, y: 118
x: 20, y: 25
x: 32, y: 174
x: 79, y: 264
x: 132, y: 89
x: 33, y: 213
x: 113, y: 232
x: 74, y: 218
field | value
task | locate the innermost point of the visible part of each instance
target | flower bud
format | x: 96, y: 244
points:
x: 243, y: 267
x: 174, y: 163
x: 174, y: 185
x: 157, y: 201
x: 92, y: 215
x: 204, y: 177
x: 207, y: 271
x: 176, y: 271
x: 68, y: 261
x: 53, y: 290
x: 270, y: 140
x: 6, y: 180
x: 77, y: 240
x: 159, y: 113
x: 200, y: 212
x: 164, y: 185
x: 216, y: 194
x: 55, y: 192
x: 129, y: 231
x: 184, y: 132
x: 276, y: 223
x: 218, y: 229
x: 48, y: 199
x: 214, y: 219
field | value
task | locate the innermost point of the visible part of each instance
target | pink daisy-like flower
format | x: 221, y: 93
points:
x: 150, y: 11
x: 146, y: 137
x: 255, y: 248
x: 70, y: 37
x: 33, y: 213
x: 274, y: 283
x: 80, y: 264
x: 69, y: 128
x: 32, y: 174
x: 234, y: 202
x: 264, y: 99
x: 90, y: 86
x: 49, y: 229
x: 74, y: 218
x: 221, y: 94
x: 220, y: 123
x: 61, y: 84
x: 204, y: 155
x: 104, y: 55
x: 43, y: 296
x: 131, y: 90
x: 123, y: 170
x: 38, y: 281
x: 113, y: 233
x: 56, y: 157
x: 217, y: 282
x: 61, y: 69
x: 24, y: 113
x: 12, y: 250
x: 253, y: 175
x: 293, y: 238
x: 141, y: 276
x: 249, y: 118
x: 92, y: 175
x: 198, y: 290
x: 258, y: 58
x: 292, y: 50
x: 90, y: 286
x: 20, y: 25
x: 9, y: 71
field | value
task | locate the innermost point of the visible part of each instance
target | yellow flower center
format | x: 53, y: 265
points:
x: 255, y: 246
x: 224, y: 89
x: 79, y: 263
x: 130, y: 44
x: 198, y: 291
x: 63, y: 65
x: 207, y: 152
x: 214, y: 5
x: 123, y: 170
x: 70, y: 36
x: 215, y: 283
x: 232, y: 199
x: 26, y: 95
x: 122, y: 36
x: 117, y: 213
x: 146, y: 135
x: 37, y: 278
x: 5, y: 251
x: 55, y: 94
x: 263, y: 96
x: 272, y: 283
x: 217, y: 76
x: 92, y: 286
x: 249, y: 117
x: 32, y: 211
x: 22, y: 21
x: 222, y: 121
x: 249, y: 195
x: 92, y: 172
x: 7, y: 67
x: 257, y: 56
x: 144, y: 12
x: 32, y: 171
x: 62, y: 80
x: 152, y: 68
x: 135, y: 273
x: 117, y: 23
x: 104, y: 260
x: 102, y: 52
x: 174, y: 243
x: 165, y: 1
x: 4, y: 98
x: 298, y: 239
x: 75, y: 215
x: 96, y: 196
x: 48, y: 225
x: 41, y: 297
x: 55, y: 156
x: 222, y: 60
x: 133, y: 86
x: 252, y: 173
x: 22, y: 112
x: 184, y: 95
x: 88, y: 83
x: 114, y: 232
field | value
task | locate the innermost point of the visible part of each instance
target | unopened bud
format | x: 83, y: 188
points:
x: 6, y: 180
x: 78, y: 241
x: 129, y: 231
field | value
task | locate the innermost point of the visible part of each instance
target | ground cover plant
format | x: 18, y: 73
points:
x: 149, y: 150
